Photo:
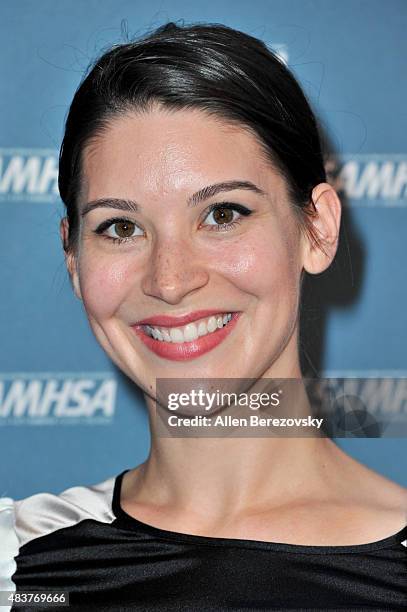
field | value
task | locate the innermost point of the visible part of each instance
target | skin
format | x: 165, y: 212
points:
x: 296, y: 490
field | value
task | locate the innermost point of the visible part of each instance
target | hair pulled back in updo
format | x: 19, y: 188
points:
x: 210, y: 67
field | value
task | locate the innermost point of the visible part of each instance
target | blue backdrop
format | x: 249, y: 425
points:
x: 67, y: 416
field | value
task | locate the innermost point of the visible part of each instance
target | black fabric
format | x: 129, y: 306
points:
x: 129, y: 565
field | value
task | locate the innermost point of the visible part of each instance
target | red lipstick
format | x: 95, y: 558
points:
x: 182, y: 351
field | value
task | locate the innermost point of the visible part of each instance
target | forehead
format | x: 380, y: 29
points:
x: 163, y: 151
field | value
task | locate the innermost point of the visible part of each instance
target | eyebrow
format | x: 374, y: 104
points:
x: 194, y: 200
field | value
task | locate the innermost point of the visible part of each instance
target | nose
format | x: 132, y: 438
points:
x: 173, y: 272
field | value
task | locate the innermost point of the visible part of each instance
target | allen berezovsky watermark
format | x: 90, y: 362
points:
x: 288, y: 407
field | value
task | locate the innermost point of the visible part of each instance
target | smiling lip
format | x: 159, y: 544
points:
x: 169, y: 321
x: 181, y: 351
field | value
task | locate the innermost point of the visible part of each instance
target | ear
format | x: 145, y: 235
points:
x: 325, y: 224
x: 70, y: 259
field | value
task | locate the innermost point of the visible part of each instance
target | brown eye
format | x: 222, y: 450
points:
x: 119, y: 230
x: 223, y: 215
x: 124, y: 229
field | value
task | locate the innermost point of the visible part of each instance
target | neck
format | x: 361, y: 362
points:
x: 217, y: 474
x: 223, y: 476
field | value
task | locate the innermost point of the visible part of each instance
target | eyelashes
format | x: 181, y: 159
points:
x: 222, y: 210
x: 105, y: 225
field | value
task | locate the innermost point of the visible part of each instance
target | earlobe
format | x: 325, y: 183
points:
x: 73, y: 273
x: 325, y: 224
x: 70, y: 259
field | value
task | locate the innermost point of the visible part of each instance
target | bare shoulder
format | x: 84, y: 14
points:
x: 377, y: 504
x: 348, y: 504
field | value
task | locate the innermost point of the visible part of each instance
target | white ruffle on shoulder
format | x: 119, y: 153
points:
x: 24, y: 520
x: 9, y: 546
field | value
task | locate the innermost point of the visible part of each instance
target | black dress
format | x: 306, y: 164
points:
x: 81, y: 542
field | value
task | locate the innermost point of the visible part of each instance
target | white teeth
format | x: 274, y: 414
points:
x: 155, y: 333
x: 212, y: 324
x: 176, y: 335
x: 189, y: 332
x: 166, y: 335
x: 202, y: 329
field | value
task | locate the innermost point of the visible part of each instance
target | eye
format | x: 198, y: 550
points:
x: 225, y: 215
x: 119, y: 230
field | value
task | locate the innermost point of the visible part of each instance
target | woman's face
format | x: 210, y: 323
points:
x: 154, y: 174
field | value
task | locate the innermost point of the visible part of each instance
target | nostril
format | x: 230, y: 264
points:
x: 172, y: 285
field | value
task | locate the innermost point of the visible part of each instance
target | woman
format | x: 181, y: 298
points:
x: 196, y: 198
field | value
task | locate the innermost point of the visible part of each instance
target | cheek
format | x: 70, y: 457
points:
x: 264, y: 266
x: 103, y: 284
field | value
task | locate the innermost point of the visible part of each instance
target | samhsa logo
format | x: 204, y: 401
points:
x: 57, y: 399
x: 28, y: 175
x: 374, y: 180
x: 370, y: 180
x: 372, y: 401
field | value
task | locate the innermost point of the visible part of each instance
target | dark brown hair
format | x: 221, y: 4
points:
x: 211, y: 67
